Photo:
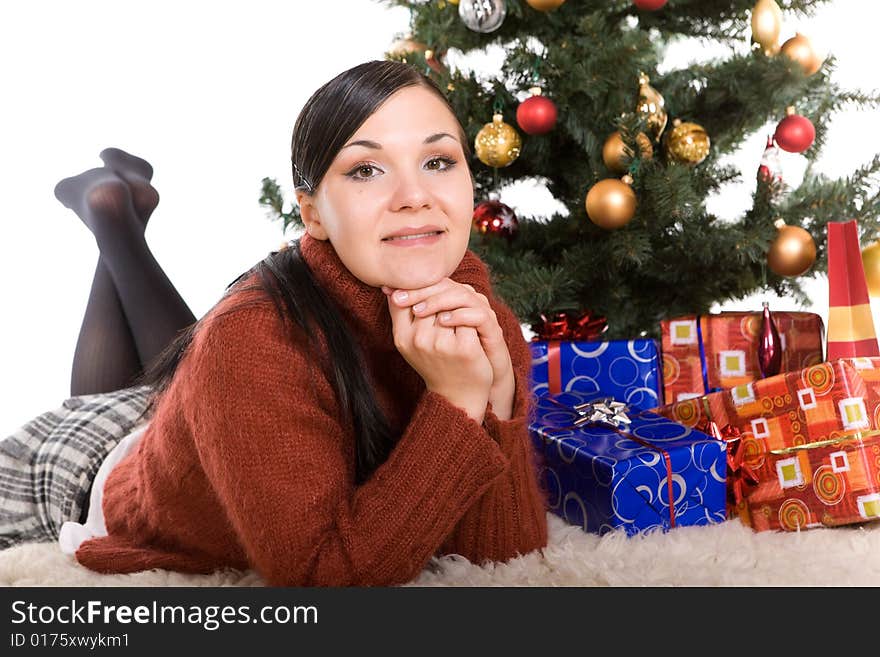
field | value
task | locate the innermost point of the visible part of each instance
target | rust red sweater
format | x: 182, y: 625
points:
x: 247, y: 464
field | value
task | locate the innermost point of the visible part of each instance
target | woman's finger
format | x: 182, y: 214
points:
x: 409, y: 298
x: 473, y: 317
x: 449, y: 300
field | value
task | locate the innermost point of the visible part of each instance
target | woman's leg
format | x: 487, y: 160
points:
x: 106, y: 357
x: 133, y: 310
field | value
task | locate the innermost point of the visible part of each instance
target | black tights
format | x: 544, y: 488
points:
x: 133, y: 310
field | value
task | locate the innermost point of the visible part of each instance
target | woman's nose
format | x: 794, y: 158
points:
x: 411, y: 192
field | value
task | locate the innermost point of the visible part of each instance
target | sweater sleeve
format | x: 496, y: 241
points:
x: 273, y: 448
x: 511, y: 516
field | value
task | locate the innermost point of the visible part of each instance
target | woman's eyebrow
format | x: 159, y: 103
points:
x: 377, y: 146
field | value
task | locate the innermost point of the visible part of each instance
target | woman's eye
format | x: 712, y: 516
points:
x: 449, y: 162
x: 367, y: 169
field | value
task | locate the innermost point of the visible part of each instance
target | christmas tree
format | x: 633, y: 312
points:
x: 633, y: 153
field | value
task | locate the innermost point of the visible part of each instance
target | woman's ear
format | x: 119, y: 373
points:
x: 310, y: 215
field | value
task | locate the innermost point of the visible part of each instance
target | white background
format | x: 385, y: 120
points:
x: 208, y: 92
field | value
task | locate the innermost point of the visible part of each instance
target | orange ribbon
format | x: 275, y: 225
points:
x: 554, y: 367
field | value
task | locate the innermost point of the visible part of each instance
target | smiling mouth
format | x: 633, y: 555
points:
x: 413, y: 237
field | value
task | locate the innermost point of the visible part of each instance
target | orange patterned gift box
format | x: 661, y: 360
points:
x: 727, y: 343
x: 834, y: 482
x: 790, y: 416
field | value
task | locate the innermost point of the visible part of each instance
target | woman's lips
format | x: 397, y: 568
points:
x: 415, y: 241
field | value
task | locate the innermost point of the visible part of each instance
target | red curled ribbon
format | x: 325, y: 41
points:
x: 741, y: 479
x: 563, y: 326
x: 666, y: 458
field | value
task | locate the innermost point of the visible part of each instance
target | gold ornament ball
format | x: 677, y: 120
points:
x: 871, y: 263
x: 611, y: 203
x: 545, y: 5
x: 766, y: 24
x: 793, y: 251
x: 800, y: 49
x: 405, y: 46
x: 687, y: 143
x: 652, y: 105
x: 497, y: 144
x: 617, y: 156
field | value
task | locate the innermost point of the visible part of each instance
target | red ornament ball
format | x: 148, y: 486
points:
x: 649, y: 5
x: 495, y: 218
x: 536, y: 115
x: 795, y: 133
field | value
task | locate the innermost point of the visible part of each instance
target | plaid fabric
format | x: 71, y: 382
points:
x: 48, y: 465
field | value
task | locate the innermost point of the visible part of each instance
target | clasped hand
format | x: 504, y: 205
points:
x: 450, y: 335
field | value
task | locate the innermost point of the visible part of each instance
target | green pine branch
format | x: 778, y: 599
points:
x: 674, y: 257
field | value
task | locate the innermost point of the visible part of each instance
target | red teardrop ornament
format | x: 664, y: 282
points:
x: 769, y: 345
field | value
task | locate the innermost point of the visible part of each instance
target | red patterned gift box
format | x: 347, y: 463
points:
x: 727, y: 344
x: 786, y: 423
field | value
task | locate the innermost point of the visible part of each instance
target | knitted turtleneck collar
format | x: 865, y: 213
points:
x: 367, y: 306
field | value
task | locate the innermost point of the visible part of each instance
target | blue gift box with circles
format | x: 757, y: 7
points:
x: 628, y: 370
x: 601, y: 478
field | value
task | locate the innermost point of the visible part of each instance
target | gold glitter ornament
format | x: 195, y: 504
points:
x: 497, y: 144
x: 652, y: 106
x: 687, y: 143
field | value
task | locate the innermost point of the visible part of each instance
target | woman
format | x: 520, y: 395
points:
x: 354, y: 404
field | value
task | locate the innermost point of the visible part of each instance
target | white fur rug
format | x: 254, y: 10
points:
x: 729, y: 554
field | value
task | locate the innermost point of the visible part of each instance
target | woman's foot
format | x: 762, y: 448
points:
x: 118, y: 160
x: 137, y: 173
x: 103, y: 201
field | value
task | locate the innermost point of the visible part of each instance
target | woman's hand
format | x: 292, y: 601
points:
x: 459, y: 305
x: 450, y: 360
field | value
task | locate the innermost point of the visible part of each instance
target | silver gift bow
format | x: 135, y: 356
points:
x: 602, y: 411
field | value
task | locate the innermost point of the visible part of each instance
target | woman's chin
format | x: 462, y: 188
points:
x: 416, y: 281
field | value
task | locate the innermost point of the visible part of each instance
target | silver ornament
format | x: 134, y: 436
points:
x: 482, y: 15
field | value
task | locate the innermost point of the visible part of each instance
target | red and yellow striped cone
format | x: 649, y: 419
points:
x: 850, y: 324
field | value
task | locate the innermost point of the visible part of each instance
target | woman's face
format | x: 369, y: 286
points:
x: 403, y: 168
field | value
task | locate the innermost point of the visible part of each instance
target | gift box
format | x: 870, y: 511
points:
x: 627, y: 370
x: 711, y: 352
x: 787, y: 425
x: 827, y: 483
x: 649, y: 474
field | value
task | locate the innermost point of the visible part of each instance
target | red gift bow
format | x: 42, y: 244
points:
x: 564, y: 326
x: 741, y: 479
